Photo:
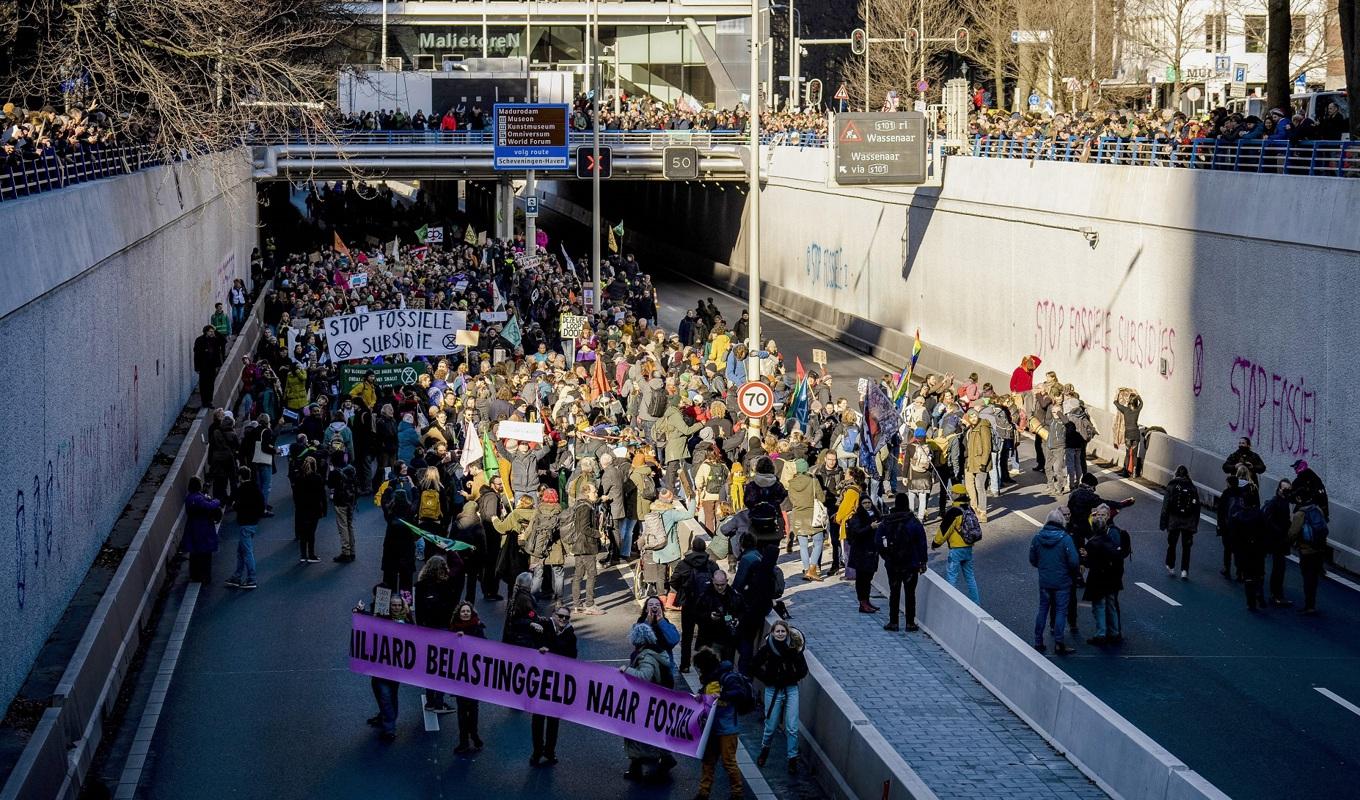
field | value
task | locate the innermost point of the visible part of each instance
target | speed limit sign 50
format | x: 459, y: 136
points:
x: 755, y: 399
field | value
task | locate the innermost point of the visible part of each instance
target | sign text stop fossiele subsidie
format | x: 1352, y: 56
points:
x: 412, y: 331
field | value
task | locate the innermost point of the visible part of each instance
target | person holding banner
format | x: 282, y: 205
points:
x: 559, y: 638
x: 467, y: 623
x: 733, y: 691
x: 647, y: 662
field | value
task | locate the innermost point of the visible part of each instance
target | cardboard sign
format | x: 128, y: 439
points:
x: 497, y: 355
x: 520, y: 431
x: 313, y: 258
x: 819, y: 357
x: 468, y: 338
x: 416, y: 302
x: 382, y: 601
x: 572, y: 325
x: 409, y: 330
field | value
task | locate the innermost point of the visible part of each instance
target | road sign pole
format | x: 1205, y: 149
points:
x: 753, y: 203
x: 530, y: 224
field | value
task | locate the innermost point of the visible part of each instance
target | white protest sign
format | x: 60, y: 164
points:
x: 526, y: 261
x: 460, y: 286
x: 434, y: 236
x: 497, y: 355
x: 361, y: 309
x: 382, y: 601
x: 520, y: 431
x: 819, y: 357
x: 863, y: 387
x: 412, y: 331
x: 572, y: 325
x: 469, y: 338
x: 494, y: 316
x: 358, y: 280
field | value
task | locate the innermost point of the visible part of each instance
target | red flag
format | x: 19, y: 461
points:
x: 799, y: 372
x: 599, y: 384
x: 340, y: 246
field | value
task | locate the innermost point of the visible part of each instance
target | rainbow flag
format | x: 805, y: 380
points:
x: 904, y: 380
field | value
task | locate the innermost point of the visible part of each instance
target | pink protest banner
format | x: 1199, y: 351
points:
x: 583, y: 692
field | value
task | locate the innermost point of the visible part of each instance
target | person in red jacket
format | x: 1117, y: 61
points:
x: 1022, y: 383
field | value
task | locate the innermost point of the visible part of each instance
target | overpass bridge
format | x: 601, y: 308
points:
x: 378, y: 155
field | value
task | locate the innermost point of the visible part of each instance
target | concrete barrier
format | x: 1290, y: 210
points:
x: 1104, y: 745
x: 856, y: 761
x: 58, y: 755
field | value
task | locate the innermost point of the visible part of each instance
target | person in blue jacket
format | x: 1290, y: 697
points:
x: 1051, y: 551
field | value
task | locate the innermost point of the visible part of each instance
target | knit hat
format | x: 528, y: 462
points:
x: 800, y: 466
x: 706, y: 434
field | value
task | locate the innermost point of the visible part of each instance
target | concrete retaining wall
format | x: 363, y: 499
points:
x: 105, y: 287
x: 1105, y: 746
x: 58, y: 755
x: 1219, y: 296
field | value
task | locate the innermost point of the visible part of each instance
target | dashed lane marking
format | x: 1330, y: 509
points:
x: 1156, y: 594
x: 1338, y: 699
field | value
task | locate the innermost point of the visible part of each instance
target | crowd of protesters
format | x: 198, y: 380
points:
x: 642, y: 465
x: 29, y: 134
x: 1160, y: 126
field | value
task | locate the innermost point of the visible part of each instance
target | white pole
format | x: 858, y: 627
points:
x: 867, y: 36
x: 753, y: 203
x: 596, y: 81
x: 382, y: 59
x: 794, y: 95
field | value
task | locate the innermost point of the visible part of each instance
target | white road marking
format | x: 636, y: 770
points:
x: 1338, y: 699
x: 1344, y: 582
x: 1156, y: 594
x: 1022, y: 515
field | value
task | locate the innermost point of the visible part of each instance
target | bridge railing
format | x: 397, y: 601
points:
x: 657, y: 139
x: 20, y: 176
x: 1322, y: 158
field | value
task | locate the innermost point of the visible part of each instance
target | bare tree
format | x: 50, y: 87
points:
x: 1162, y: 31
x: 892, y: 66
x: 991, y: 22
x: 191, y: 74
x: 1278, y: 25
x: 1349, y: 13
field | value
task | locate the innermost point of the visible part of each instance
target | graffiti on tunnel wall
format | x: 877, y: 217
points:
x: 1070, y: 330
x: 1278, y: 411
x: 825, y: 266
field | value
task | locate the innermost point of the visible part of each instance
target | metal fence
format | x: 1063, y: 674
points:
x: 1326, y: 159
x: 20, y: 177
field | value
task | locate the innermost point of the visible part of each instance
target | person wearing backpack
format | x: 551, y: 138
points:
x: 1180, y: 519
x: 807, y: 518
x: 710, y: 481
x: 545, y: 544
x: 920, y: 473
x: 780, y: 665
x: 734, y: 695
x: 690, y: 580
x: 433, y: 509
x: 902, y: 545
x: 765, y: 497
x: 396, y: 495
x: 647, y: 662
x: 1278, y: 516
x: 344, y: 485
x: 1308, y: 533
x: 960, y: 529
x: 580, y: 532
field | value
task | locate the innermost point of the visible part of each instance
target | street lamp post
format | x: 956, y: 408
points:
x: 596, y: 83
x: 753, y: 203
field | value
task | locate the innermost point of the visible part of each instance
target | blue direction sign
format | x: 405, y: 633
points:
x: 530, y: 136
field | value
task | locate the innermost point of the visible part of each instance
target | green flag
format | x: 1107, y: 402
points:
x: 511, y: 332
x: 618, y: 229
x: 422, y: 232
x: 437, y: 540
x: 490, y: 464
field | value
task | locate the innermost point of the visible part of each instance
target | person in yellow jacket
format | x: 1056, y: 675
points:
x: 955, y: 527
x: 850, y: 490
x: 737, y: 490
x: 366, y: 390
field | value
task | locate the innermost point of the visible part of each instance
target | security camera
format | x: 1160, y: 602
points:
x: 1092, y: 237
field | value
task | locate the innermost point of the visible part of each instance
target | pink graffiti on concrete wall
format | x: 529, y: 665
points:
x: 1277, y: 411
x: 1069, y: 330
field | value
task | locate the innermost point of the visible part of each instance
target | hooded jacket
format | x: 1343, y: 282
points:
x: 804, y: 491
x: 1052, y: 552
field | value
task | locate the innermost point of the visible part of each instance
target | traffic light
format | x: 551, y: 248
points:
x: 858, y: 41
x: 962, y: 41
x: 812, y: 95
x: 586, y: 163
x: 912, y: 41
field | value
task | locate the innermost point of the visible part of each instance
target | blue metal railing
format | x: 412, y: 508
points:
x: 23, y: 176
x: 1319, y: 159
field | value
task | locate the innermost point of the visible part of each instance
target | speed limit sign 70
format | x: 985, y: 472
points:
x: 755, y: 399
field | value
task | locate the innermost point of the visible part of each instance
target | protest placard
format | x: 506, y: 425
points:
x: 434, y: 236
x: 572, y: 325
x: 520, y: 431
x: 494, y: 316
x: 468, y: 338
x: 595, y: 695
x: 411, y: 331
x: 415, y: 302
x: 358, y: 280
x: 361, y: 309
x: 385, y: 374
x: 819, y: 357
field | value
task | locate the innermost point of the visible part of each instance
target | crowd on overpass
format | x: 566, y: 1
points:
x: 29, y: 134
x: 1161, y: 126
x: 633, y: 444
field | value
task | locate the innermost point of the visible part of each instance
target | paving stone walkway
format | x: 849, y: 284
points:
x: 961, y: 740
